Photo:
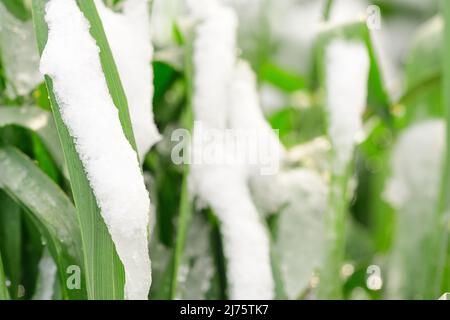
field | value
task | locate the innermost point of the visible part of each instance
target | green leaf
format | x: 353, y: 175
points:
x: 288, y: 120
x: 39, y: 121
x: 185, y: 209
x: 17, y: 8
x: 4, y: 295
x: 48, y: 206
x: 32, y: 251
x: 10, y: 241
x: 372, y: 172
x: 109, y: 67
x: 104, y: 271
x: 423, y: 75
x: 280, y: 78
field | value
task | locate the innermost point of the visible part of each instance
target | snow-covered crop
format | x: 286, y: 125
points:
x: 224, y: 149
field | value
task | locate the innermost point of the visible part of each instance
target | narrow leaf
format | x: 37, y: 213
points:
x: 104, y: 269
x: 47, y: 206
x: 37, y: 120
x: 4, y: 295
x: 11, y: 241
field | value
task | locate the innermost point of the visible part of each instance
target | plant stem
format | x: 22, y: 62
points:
x: 327, y: 10
x: 330, y: 286
x: 443, y: 206
x: 185, y: 211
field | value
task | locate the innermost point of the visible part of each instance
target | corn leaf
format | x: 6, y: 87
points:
x: 17, y: 8
x: 48, y: 207
x: 104, y: 270
x: 4, y: 295
x: 39, y: 121
x: 185, y: 209
x: 11, y: 241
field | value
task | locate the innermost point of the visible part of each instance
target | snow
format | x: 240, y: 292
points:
x: 19, y: 54
x: 299, y: 198
x: 214, y: 61
x: 413, y: 191
x: 71, y: 59
x: 245, y: 114
x: 128, y: 34
x: 347, y: 69
x: 416, y: 163
x: 224, y: 186
x: 296, y: 23
x: 165, y: 14
x: 46, y: 278
x: 300, y: 241
x: 246, y: 242
x: 197, y: 268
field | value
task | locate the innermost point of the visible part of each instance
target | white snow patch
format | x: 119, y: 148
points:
x: 71, y: 59
x: 129, y: 36
x: 19, y: 54
x: 413, y: 190
x: 416, y: 164
x: 225, y: 187
x: 197, y: 267
x: 214, y: 61
x: 46, y: 277
x: 300, y: 241
x: 295, y: 25
x: 245, y: 113
x: 347, y: 69
x: 165, y: 13
x: 246, y: 242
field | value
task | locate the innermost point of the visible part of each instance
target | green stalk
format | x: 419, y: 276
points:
x: 444, y: 203
x: 185, y: 210
x: 17, y: 8
x: 330, y: 286
x: 327, y: 10
x: 184, y: 220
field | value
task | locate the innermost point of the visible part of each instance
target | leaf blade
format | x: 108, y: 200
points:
x: 47, y: 206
